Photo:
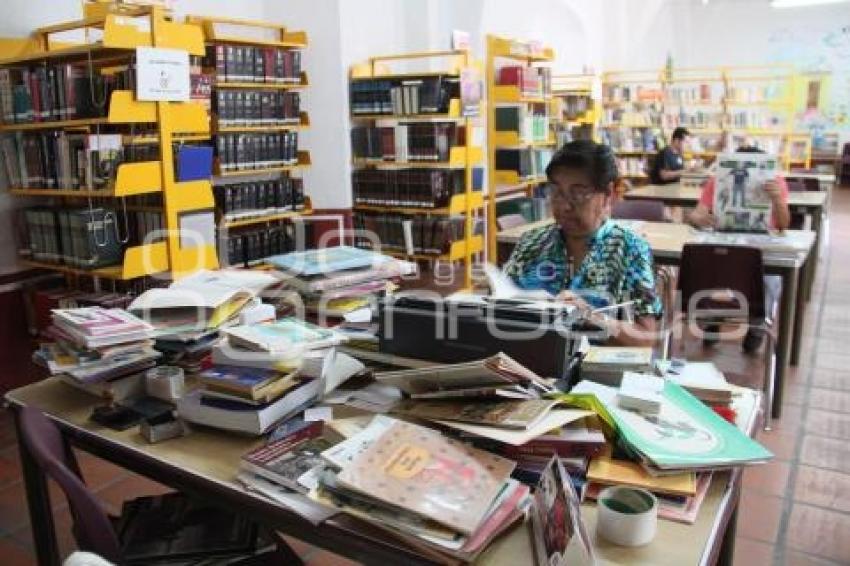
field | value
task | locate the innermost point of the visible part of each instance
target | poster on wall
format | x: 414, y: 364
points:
x: 162, y: 74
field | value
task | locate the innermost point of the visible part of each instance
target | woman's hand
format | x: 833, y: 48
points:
x: 572, y: 298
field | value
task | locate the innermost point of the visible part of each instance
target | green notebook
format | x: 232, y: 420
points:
x: 685, y: 434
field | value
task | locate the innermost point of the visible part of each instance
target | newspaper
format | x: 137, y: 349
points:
x: 740, y: 201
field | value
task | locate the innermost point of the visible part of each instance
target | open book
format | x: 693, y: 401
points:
x: 740, y: 201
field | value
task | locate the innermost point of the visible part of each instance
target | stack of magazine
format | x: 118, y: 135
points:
x: 92, y: 345
x: 340, y: 282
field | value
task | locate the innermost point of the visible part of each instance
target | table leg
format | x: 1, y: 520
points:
x: 38, y: 503
x: 814, y: 255
x: 727, y: 547
x: 787, y: 306
x: 800, y: 308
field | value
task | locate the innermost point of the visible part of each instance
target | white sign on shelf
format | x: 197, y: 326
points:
x: 162, y: 74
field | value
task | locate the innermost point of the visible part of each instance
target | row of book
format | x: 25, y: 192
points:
x: 755, y: 93
x: 704, y: 93
x: 646, y: 116
x: 62, y: 160
x: 48, y: 93
x: 406, y: 142
x: 565, y: 133
x: 757, y: 118
x: 237, y: 152
x: 533, y: 82
x: 632, y: 139
x: 239, y: 200
x: 248, y: 246
x: 426, y: 95
x: 532, y: 125
x: 618, y: 93
x: 575, y: 106
x: 694, y: 118
x: 416, y: 235
x: 425, y: 188
x: 246, y: 64
x: 527, y: 163
x: 87, y: 238
x: 256, y: 108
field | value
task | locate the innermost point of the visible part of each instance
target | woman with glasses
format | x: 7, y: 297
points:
x: 585, y: 258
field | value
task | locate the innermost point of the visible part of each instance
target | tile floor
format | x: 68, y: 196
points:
x: 794, y: 511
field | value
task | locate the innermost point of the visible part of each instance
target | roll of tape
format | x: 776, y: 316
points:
x: 626, y: 516
x: 165, y: 382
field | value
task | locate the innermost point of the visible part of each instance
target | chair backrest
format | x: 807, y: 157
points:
x: 708, y: 270
x: 93, y: 529
x: 509, y: 221
x: 649, y: 210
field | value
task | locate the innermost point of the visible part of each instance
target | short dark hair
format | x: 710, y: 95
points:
x: 680, y: 133
x: 596, y: 160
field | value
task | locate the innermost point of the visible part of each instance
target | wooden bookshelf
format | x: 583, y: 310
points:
x: 123, y: 29
x: 465, y: 157
x: 506, y: 185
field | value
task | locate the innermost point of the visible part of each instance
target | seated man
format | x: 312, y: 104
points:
x: 702, y: 217
x: 670, y: 162
x: 584, y: 257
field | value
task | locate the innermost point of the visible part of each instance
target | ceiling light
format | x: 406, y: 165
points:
x: 802, y: 3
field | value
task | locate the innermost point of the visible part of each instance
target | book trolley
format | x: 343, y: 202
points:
x: 506, y: 184
x: 463, y: 154
x: 120, y: 29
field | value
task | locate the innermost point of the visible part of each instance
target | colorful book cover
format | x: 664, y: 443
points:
x: 98, y: 321
x: 606, y: 470
x: 685, y: 434
x: 327, y: 260
x: 282, y: 335
x: 420, y: 470
x: 292, y: 466
x: 238, y: 378
x: 560, y: 536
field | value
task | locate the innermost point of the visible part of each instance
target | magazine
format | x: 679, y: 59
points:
x: 740, y: 201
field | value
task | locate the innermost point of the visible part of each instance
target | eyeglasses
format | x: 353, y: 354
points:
x: 575, y: 195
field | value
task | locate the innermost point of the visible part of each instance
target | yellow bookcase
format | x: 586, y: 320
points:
x: 121, y: 29
x: 507, y: 184
x: 249, y: 33
x: 574, y: 105
x: 467, y: 156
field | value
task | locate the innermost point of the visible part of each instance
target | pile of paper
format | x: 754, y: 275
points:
x: 341, y: 282
x: 94, y: 344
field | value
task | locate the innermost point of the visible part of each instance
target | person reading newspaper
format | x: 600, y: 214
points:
x: 763, y: 207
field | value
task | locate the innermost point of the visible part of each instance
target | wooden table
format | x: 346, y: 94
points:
x: 667, y: 239
x: 205, y: 463
x: 811, y: 203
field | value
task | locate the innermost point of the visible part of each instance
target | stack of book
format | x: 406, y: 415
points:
x: 91, y: 345
x: 606, y: 364
x: 263, y: 373
x: 188, y: 315
x: 426, y: 95
x: 406, y: 142
x: 683, y: 435
x: 341, y: 280
x: 454, y: 500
